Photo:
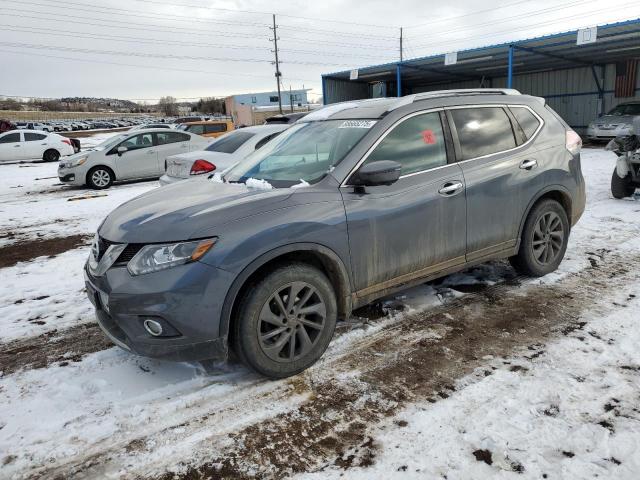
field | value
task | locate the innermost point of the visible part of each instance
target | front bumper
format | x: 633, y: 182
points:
x: 187, y: 299
x: 71, y: 176
x: 595, y: 133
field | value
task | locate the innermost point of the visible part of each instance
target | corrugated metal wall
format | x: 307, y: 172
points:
x: 573, y: 93
x: 342, y: 90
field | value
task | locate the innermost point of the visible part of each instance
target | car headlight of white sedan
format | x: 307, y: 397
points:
x: 75, y: 162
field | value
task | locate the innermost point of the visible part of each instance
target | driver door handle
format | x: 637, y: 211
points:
x: 528, y: 164
x: 450, y: 189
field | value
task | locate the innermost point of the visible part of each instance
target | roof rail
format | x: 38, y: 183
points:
x: 467, y: 91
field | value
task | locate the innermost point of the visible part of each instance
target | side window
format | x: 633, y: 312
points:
x: 197, y: 129
x: 10, y: 138
x: 417, y: 144
x: 266, y: 139
x: 215, y: 128
x: 483, y: 131
x: 527, y: 120
x: 165, y: 138
x: 33, y: 137
x: 144, y: 140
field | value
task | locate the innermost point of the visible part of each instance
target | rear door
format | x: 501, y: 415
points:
x: 171, y: 143
x: 500, y: 167
x: 140, y: 160
x: 12, y: 147
x: 35, y: 144
x: 417, y: 226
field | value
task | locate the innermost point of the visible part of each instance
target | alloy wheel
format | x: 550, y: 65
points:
x: 291, y: 322
x: 548, y: 238
x: 101, y: 178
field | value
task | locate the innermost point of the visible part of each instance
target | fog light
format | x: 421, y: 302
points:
x: 104, y: 301
x: 154, y: 328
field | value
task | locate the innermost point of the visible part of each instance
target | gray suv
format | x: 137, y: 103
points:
x: 352, y: 203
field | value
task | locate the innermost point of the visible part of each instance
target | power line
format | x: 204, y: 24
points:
x: 457, y: 17
x: 138, y: 13
x: 335, y: 32
x: 86, y: 60
x: 324, y: 20
x: 528, y: 27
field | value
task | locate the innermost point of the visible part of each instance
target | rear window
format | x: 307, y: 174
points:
x: 215, y: 128
x: 230, y: 142
x: 527, y: 120
x: 483, y: 131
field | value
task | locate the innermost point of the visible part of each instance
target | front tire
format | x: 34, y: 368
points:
x: 100, y: 178
x: 51, y: 156
x: 621, y: 187
x: 544, y: 240
x: 285, y: 321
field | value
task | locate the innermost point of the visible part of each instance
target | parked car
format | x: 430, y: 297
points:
x: 353, y: 203
x: 618, y: 122
x: 287, y: 118
x: 146, y: 126
x: 223, y: 153
x: 193, y: 118
x: 6, y: 125
x: 129, y: 156
x: 626, y: 176
x: 17, y: 145
x: 211, y: 128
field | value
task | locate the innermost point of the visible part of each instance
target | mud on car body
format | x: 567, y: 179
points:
x: 354, y: 202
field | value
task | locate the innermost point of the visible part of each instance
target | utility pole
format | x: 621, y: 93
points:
x: 290, y: 98
x: 401, y: 44
x: 277, y: 62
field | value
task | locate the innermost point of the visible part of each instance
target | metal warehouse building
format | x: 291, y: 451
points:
x: 582, y: 73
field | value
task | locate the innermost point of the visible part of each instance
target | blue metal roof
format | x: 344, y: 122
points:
x: 615, y: 42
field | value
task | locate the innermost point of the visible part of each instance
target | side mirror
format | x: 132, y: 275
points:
x: 382, y: 172
x: 122, y: 150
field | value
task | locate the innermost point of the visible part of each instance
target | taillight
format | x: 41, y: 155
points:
x: 202, y: 166
x: 67, y: 141
x: 573, y: 142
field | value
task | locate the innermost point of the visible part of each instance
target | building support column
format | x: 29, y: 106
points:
x: 324, y: 91
x: 510, y: 68
x: 398, y: 80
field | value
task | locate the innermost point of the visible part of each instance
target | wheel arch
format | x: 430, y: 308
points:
x: 553, y: 192
x: 51, y: 149
x: 317, y: 255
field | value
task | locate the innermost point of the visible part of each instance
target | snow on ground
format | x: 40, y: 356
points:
x: 113, y: 398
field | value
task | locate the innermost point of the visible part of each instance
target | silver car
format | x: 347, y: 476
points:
x: 128, y: 156
x: 618, y: 122
x: 223, y: 153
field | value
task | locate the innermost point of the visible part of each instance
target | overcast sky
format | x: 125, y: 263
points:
x: 144, y: 49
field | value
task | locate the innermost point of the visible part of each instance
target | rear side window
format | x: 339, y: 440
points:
x: 10, y: 138
x: 483, y: 131
x: 33, y: 137
x: 527, y: 120
x: 266, y: 139
x: 230, y: 142
x: 215, y: 128
x: 197, y: 129
x: 172, y: 137
x: 417, y: 144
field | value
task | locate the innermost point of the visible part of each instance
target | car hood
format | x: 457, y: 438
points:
x: 179, y: 211
x: 615, y: 119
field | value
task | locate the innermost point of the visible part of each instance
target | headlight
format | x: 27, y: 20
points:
x: 624, y: 125
x: 152, y: 258
x: 76, y: 162
x: 591, y: 125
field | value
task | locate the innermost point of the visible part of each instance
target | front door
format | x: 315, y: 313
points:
x: 141, y: 158
x: 500, y: 171
x: 415, y: 227
x: 11, y: 147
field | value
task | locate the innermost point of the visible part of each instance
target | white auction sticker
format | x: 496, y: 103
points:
x: 358, y: 124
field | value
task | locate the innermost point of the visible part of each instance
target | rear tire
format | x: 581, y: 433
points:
x: 100, y: 178
x: 621, y: 187
x: 285, y: 321
x: 544, y: 240
x: 51, y: 155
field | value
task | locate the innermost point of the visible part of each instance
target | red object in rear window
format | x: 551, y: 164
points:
x: 202, y: 166
x: 67, y: 141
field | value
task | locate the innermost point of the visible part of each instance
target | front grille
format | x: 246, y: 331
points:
x: 127, y: 254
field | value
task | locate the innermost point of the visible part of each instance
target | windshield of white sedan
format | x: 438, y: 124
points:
x: 626, y: 109
x: 306, y: 151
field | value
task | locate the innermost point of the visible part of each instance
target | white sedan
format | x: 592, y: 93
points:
x: 18, y: 145
x: 128, y: 156
x: 223, y: 153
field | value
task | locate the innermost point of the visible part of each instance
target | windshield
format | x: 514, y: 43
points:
x: 626, y: 109
x: 111, y: 142
x: 306, y: 151
x: 230, y: 142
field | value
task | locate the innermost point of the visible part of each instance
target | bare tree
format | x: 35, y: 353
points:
x: 167, y: 105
